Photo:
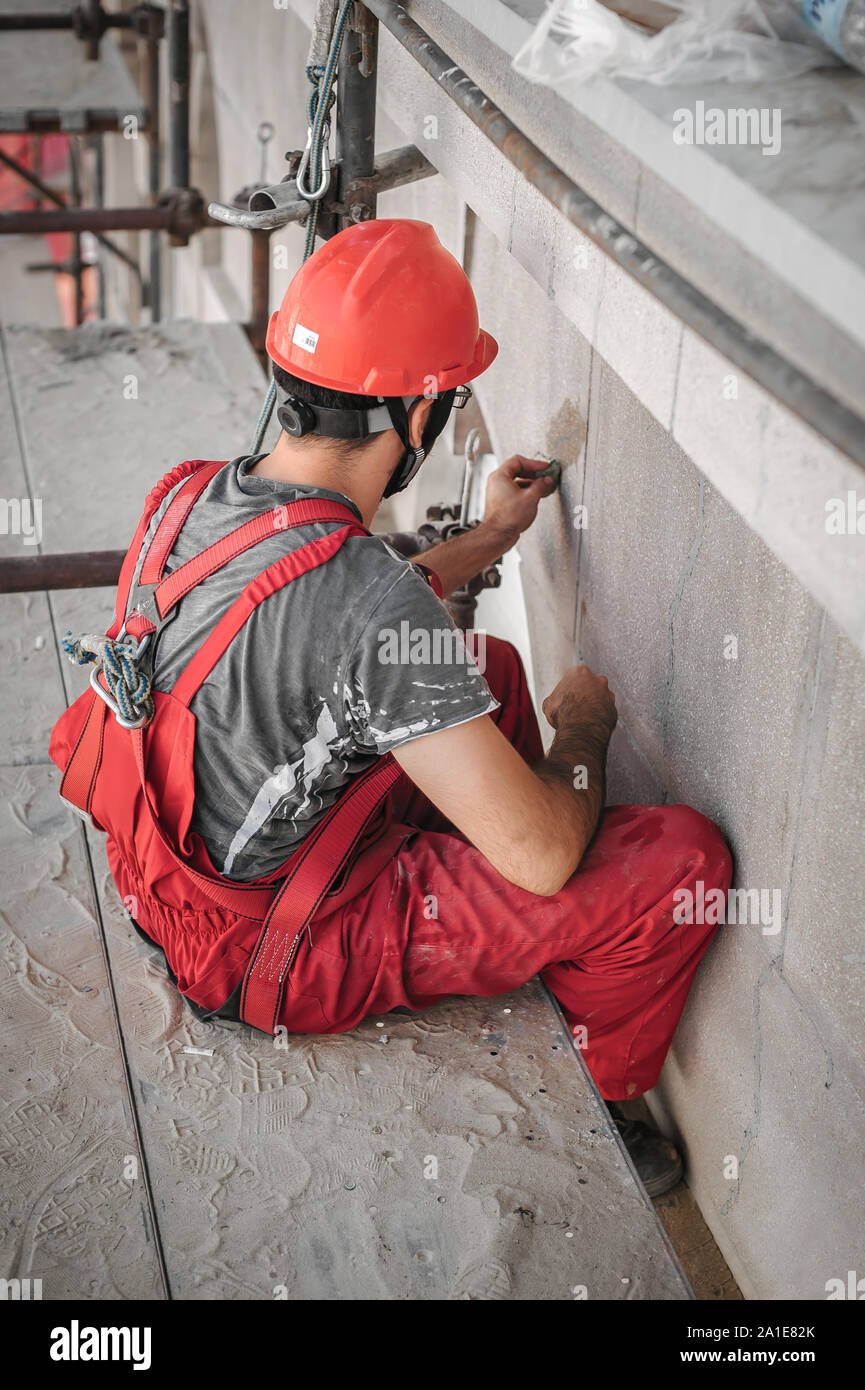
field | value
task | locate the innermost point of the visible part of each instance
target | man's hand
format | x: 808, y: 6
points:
x: 511, y: 505
x: 582, y: 699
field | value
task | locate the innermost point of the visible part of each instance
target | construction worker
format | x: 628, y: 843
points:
x: 317, y: 803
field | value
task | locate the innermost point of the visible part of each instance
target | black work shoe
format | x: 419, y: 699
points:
x: 656, y: 1160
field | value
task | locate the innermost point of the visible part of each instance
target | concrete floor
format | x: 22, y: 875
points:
x: 458, y: 1154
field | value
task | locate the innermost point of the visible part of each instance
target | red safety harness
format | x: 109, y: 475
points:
x: 137, y: 784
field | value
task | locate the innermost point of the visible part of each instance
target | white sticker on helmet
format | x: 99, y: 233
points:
x: 305, y: 338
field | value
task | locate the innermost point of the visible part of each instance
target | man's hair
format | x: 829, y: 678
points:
x: 333, y: 400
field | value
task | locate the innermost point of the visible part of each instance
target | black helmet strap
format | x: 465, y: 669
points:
x: 298, y: 418
x: 413, y: 458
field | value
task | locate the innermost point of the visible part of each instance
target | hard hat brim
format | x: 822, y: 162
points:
x: 385, y: 381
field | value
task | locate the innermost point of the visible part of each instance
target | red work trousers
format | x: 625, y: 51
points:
x: 439, y: 920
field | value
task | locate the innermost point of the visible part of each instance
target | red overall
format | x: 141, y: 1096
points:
x: 384, y: 903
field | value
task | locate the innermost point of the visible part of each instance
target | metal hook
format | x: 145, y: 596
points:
x: 264, y: 134
x: 312, y: 197
x: 472, y: 446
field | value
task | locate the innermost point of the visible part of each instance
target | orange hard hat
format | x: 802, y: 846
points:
x: 381, y: 309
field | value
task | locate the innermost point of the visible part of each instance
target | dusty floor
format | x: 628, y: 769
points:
x: 458, y: 1154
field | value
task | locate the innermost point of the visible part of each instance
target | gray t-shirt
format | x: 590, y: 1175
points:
x: 346, y: 662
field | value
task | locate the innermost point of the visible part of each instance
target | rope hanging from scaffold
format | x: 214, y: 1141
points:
x: 327, y: 36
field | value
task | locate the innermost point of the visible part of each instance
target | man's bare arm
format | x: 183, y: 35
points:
x: 510, y: 507
x: 533, y: 825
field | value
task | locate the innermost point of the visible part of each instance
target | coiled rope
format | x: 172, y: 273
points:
x: 128, y: 685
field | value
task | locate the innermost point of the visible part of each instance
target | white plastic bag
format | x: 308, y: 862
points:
x: 711, y: 40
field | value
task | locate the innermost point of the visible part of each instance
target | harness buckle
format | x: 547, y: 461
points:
x: 142, y: 602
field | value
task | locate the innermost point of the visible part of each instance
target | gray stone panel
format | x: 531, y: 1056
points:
x: 535, y: 402
x: 643, y: 503
x: 824, y: 955
x: 752, y: 1082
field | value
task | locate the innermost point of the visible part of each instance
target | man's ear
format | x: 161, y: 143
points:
x: 417, y: 421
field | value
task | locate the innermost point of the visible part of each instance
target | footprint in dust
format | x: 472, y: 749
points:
x: 487, y: 1281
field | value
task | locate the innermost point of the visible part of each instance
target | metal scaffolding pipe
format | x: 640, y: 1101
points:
x: 177, y: 33
x: 96, y: 147
x: 151, y: 69
x: 85, y: 24
x: 271, y: 208
x: 83, y: 121
x: 75, y: 195
x: 800, y: 393
x: 35, y: 182
x: 37, y: 19
x: 355, y: 126
x: 260, y: 308
x: 267, y: 221
x: 45, y: 220
x: 85, y: 569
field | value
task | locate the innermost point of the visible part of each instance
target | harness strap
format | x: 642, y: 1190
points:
x: 238, y: 897
x: 169, y: 591
x: 79, y: 778
x: 154, y: 500
x: 169, y: 528
x: 305, y: 886
x: 259, y: 528
x: 280, y: 573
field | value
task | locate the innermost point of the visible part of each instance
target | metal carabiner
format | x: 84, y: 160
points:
x: 108, y: 697
x: 324, y: 184
x: 472, y: 448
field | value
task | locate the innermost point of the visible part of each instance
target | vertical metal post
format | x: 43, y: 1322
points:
x: 75, y: 200
x: 94, y: 14
x: 153, y: 132
x: 257, y: 327
x: 35, y: 145
x: 97, y: 148
x: 178, y: 93
x: 355, y: 128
